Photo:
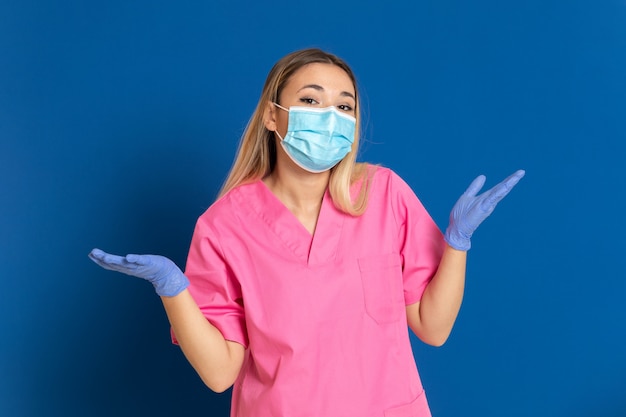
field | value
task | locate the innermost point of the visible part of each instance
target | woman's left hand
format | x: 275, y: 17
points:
x: 471, y: 209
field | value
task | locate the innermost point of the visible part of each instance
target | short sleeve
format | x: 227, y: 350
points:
x: 421, y: 241
x: 213, y: 286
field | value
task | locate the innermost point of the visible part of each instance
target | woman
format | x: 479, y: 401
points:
x: 303, y: 276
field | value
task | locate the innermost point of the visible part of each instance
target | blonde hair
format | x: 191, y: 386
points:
x: 256, y: 155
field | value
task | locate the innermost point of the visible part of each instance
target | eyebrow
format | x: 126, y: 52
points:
x: 320, y: 88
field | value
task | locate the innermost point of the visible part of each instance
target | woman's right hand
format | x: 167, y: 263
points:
x: 168, y: 280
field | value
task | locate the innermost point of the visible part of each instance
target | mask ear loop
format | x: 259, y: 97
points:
x: 280, y: 107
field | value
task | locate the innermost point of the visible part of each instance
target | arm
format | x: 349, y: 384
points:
x: 216, y: 360
x: 432, y: 318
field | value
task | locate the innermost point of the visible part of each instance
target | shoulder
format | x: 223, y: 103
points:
x: 388, y: 187
x: 226, y: 210
x: 385, y: 179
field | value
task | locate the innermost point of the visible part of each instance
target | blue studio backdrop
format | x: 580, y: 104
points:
x: 119, y: 121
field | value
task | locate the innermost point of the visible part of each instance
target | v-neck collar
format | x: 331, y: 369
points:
x: 321, y: 248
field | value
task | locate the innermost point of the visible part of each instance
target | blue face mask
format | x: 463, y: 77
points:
x: 317, y: 138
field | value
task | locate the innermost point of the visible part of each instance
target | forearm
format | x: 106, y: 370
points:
x: 216, y: 360
x: 433, y: 317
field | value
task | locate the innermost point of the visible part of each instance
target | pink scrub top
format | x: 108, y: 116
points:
x: 322, y: 317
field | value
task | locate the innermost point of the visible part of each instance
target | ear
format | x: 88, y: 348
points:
x: 269, y: 117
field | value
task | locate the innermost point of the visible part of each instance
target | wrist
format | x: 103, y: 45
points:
x: 457, y: 240
x: 172, y: 284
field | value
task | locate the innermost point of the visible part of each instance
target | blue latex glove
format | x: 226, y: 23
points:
x: 167, y: 278
x: 471, y: 209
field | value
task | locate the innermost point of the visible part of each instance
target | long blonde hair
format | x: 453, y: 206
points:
x: 256, y: 156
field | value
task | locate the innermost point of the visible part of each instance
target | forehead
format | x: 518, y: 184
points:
x: 328, y: 76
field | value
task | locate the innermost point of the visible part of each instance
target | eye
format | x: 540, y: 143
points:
x: 346, y: 108
x: 309, y: 101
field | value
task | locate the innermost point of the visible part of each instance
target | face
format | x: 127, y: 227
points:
x: 314, y: 85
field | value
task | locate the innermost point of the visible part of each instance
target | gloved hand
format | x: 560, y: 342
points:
x: 470, y: 210
x: 167, y: 278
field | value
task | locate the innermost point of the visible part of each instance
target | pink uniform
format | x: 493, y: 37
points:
x: 323, y: 318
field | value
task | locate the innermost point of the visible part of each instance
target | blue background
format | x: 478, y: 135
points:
x: 119, y: 121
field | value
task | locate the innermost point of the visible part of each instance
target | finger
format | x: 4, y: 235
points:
x: 513, y: 179
x: 497, y: 193
x: 112, y: 262
x: 516, y: 176
x: 114, y: 259
x: 99, y: 260
x: 141, y: 260
x: 107, y: 257
x: 96, y: 253
x: 475, y: 186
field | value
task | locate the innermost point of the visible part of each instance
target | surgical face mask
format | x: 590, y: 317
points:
x: 317, y: 138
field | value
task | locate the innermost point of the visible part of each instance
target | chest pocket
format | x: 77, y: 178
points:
x: 381, y: 277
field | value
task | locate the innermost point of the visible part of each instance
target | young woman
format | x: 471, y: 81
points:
x: 303, y: 276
